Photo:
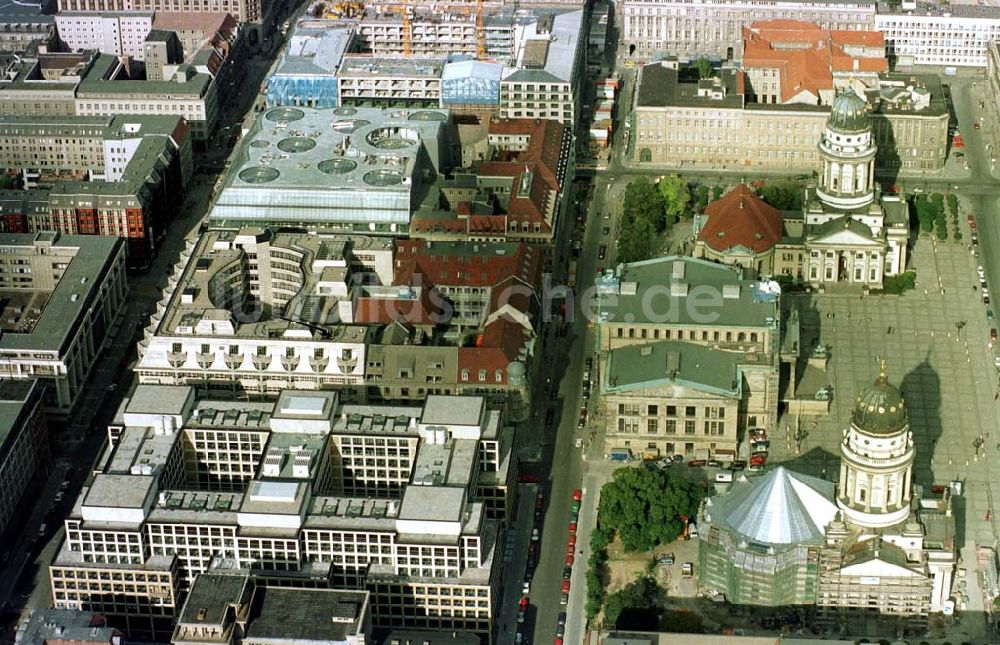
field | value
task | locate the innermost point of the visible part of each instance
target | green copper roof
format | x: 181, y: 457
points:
x: 849, y: 113
x: 880, y: 409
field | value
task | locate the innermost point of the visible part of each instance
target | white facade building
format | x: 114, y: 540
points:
x: 932, y: 33
x: 257, y: 312
x: 116, y: 33
x: 714, y: 28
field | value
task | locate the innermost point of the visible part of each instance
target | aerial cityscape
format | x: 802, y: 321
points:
x: 499, y: 322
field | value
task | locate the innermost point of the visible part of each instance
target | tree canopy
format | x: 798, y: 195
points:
x: 642, y: 218
x: 644, y: 507
x: 636, y: 606
x: 704, y: 67
x: 784, y: 195
x: 676, y: 197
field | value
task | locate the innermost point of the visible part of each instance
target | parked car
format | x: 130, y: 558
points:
x: 696, y: 463
x: 602, y: 251
x: 528, y: 479
x: 739, y: 464
x: 523, y: 604
x: 564, y: 599
x: 571, y: 543
x: 526, y: 588
x: 567, y: 573
x: 569, y: 561
x: 714, y: 463
x: 972, y: 221
x: 678, y: 459
x: 577, y: 495
x: 534, y: 535
x: 562, y: 618
x: 666, y: 560
x: 687, y: 569
x: 565, y: 586
x: 993, y: 334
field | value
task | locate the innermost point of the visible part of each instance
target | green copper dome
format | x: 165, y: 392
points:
x: 881, y: 408
x: 849, y: 113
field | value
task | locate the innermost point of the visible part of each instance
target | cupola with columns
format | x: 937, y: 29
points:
x: 848, y: 150
x: 877, y: 453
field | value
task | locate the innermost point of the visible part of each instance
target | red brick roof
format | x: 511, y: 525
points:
x: 809, y: 66
x: 452, y: 264
x: 412, y: 311
x: 541, y: 159
x: 741, y: 218
x: 498, y: 346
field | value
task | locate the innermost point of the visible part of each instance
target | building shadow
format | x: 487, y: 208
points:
x: 921, y: 388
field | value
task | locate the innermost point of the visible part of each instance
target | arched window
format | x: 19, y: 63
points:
x: 645, y: 155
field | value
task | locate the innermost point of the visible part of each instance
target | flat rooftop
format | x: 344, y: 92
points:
x: 50, y: 321
x: 432, y: 503
x: 13, y: 396
x: 336, y: 165
x: 314, y: 51
x: 12, y: 12
x: 306, y: 615
x: 372, y: 66
x: 210, y: 597
x: 452, y: 410
x: 661, y: 86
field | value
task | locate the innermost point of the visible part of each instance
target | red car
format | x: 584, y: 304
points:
x: 572, y: 541
x: 569, y: 561
x: 523, y: 605
x: 993, y: 334
x: 577, y: 495
x: 972, y: 221
x: 572, y: 528
x: 558, y: 641
x: 528, y: 479
x: 565, y: 587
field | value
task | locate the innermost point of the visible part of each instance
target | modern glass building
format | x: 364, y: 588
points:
x: 470, y: 82
x: 344, y: 169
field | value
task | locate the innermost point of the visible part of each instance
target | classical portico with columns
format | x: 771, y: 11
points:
x: 853, y: 233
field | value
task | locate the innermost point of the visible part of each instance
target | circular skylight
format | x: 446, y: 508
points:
x: 384, y: 178
x: 345, y: 111
x: 337, y: 166
x: 259, y: 143
x: 296, y: 144
x: 425, y: 115
x: 259, y: 174
x: 284, y: 114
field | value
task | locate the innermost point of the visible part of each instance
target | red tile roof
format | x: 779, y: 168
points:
x: 498, y: 346
x: 741, y: 218
x: 815, y: 55
x: 452, y: 264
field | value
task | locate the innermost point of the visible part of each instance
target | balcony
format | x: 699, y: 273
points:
x: 176, y: 359
x: 205, y: 360
x: 319, y: 365
x: 261, y: 362
x: 233, y: 361
x: 290, y: 363
x: 347, y: 364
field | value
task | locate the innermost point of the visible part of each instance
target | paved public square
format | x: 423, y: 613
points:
x: 935, y: 340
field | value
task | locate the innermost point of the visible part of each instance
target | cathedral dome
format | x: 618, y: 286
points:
x: 849, y: 113
x: 880, y: 409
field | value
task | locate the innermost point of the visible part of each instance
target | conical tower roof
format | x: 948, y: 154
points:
x: 782, y: 507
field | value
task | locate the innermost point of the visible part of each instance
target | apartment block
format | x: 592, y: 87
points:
x: 549, y: 58
x: 458, y: 318
x: 116, y: 33
x: 938, y: 33
x: 245, y: 11
x: 682, y: 120
x: 659, y: 324
x: 365, y: 81
x: 386, y: 29
x: 93, y: 84
x: 61, y: 295
x: 714, y: 28
x: 66, y: 626
x: 343, y: 170
x: 24, y: 448
x: 303, y: 491
x: 24, y: 27
x: 228, y: 606
x: 122, y: 176
x: 254, y: 311
x: 518, y: 168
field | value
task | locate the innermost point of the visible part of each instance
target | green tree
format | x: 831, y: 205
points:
x: 636, y: 606
x: 635, y: 240
x: 598, y: 576
x: 784, y: 195
x: 676, y: 198
x: 704, y: 67
x: 702, y: 195
x: 953, y: 204
x: 684, y: 622
x: 642, y: 201
x: 7, y: 181
x: 925, y: 212
x: 644, y: 507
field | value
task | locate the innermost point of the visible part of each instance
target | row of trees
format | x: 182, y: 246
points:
x: 642, y: 509
x: 932, y: 214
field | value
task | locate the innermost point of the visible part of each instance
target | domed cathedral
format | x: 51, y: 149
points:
x: 873, y: 557
x: 853, y: 234
x: 888, y: 558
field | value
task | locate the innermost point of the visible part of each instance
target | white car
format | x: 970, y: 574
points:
x: 526, y: 588
x: 534, y: 535
x: 980, y: 272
